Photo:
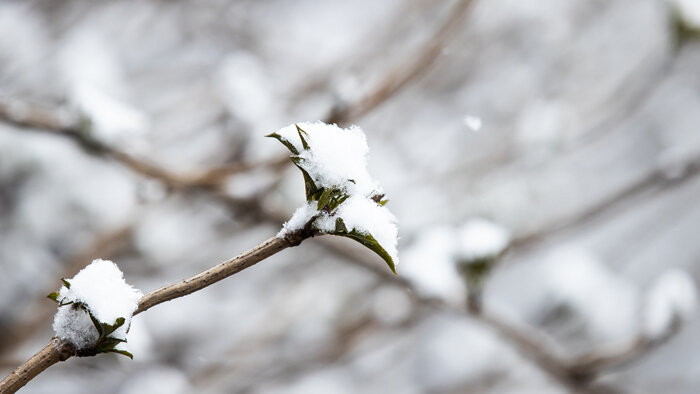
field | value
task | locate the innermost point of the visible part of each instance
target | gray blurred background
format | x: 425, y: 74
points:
x: 588, y: 153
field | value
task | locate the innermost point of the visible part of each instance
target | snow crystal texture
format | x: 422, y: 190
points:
x: 101, y: 288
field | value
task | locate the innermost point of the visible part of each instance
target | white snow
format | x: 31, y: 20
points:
x: 608, y: 303
x: 480, y: 238
x: 428, y: 263
x: 335, y: 156
x: 75, y: 325
x: 672, y: 298
x: 300, y: 217
x: 97, y: 86
x: 474, y: 123
x: 101, y: 287
x: 112, y: 120
x: 337, y: 159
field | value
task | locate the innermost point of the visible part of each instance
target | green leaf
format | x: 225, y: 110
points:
x: 337, y: 201
x: 110, y: 328
x: 97, y: 324
x: 53, y: 296
x: 324, y: 199
x: 302, y: 133
x: 311, y: 189
x: 285, y: 142
x: 365, y: 239
x: 383, y: 202
x: 122, y: 352
x: 108, y: 344
x: 340, y: 226
x: 65, y: 283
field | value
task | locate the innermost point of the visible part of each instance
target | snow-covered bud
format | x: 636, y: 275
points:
x: 95, y: 309
x: 479, y: 244
x: 341, y: 197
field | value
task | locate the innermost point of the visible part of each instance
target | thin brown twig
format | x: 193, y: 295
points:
x: 57, y: 350
x: 221, y: 271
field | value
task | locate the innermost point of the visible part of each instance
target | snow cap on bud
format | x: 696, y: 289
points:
x: 95, y: 308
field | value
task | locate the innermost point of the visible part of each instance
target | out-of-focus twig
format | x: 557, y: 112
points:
x: 578, y: 374
x: 605, y: 359
x: 407, y: 71
x: 71, y: 124
x: 660, y: 178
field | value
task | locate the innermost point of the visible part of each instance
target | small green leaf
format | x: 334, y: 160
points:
x: 53, y: 296
x: 309, y: 185
x: 383, y: 202
x: 110, y: 328
x: 122, y: 352
x: 340, y: 226
x: 285, y: 142
x: 339, y: 200
x: 302, y: 133
x: 97, y: 324
x: 365, y: 239
x: 108, y: 344
x: 65, y: 283
x: 324, y: 199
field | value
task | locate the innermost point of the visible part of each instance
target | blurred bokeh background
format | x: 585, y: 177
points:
x: 133, y: 131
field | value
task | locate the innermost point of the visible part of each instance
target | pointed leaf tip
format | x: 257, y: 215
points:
x: 53, y: 296
x: 365, y: 239
x: 123, y: 352
x: 302, y: 133
x: 284, y: 142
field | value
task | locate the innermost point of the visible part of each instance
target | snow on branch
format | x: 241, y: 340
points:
x: 95, y: 309
x: 341, y: 197
x: 671, y: 301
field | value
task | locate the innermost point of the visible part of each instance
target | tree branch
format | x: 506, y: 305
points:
x: 52, y: 353
x: 221, y: 271
x: 61, y: 350
x: 71, y: 124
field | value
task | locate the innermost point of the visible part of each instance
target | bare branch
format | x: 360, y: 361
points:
x: 408, y: 70
x: 52, y: 353
x: 221, y: 271
x: 66, y: 122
